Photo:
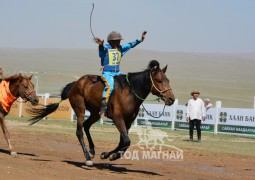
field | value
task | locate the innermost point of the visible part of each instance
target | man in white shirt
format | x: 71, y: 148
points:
x: 195, y: 113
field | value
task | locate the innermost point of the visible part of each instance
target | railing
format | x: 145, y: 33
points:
x: 218, y: 119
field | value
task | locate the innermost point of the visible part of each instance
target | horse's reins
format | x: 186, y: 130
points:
x: 153, y: 115
x: 157, y: 99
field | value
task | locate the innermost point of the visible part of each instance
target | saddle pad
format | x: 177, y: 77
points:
x: 6, y: 98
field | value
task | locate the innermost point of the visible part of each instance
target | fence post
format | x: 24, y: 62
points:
x: 46, y: 96
x: 135, y: 122
x: 146, y: 122
x: 174, y: 113
x: 72, y: 113
x: 218, y: 106
x: 254, y: 103
x: 20, y: 107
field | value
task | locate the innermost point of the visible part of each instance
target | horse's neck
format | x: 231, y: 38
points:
x: 140, y: 84
x: 14, y: 87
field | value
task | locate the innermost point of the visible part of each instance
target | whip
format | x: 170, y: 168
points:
x: 90, y: 22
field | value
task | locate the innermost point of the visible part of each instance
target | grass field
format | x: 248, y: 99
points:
x: 225, y: 77
x: 217, y: 145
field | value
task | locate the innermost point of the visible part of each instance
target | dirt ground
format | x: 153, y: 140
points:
x: 49, y: 156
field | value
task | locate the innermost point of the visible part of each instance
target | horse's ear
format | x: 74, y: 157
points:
x: 164, y: 69
x: 30, y: 77
x: 20, y: 77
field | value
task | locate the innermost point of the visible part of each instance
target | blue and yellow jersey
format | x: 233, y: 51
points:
x: 110, y: 58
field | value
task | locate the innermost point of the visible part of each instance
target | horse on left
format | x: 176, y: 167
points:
x: 11, y: 88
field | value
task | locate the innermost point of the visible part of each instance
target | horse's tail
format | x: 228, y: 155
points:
x: 65, y: 91
x: 40, y: 113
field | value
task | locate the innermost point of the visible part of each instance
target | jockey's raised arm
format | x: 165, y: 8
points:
x: 110, y: 55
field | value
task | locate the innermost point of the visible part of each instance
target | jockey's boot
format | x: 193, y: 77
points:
x: 103, y: 109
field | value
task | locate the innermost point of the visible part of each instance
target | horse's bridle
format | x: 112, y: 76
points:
x: 160, y: 92
x: 26, y: 98
x: 153, y: 86
x: 159, y: 96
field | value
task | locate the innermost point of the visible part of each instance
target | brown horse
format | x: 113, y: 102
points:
x: 129, y: 93
x: 11, y: 88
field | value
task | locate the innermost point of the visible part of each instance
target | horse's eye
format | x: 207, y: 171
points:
x: 26, y: 87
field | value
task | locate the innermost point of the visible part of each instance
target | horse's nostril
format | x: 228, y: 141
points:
x: 171, y: 100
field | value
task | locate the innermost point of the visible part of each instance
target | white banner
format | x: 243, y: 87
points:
x: 237, y: 116
x: 181, y: 114
x: 210, y: 116
x: 156, y: 110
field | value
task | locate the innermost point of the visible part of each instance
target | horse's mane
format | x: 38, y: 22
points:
x: 17, y: 76
x: 137, y: 79
x: 153, y: 64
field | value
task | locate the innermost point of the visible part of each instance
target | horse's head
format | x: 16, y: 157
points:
x: 26, y: 90
x: 23, y: 87
x: 160, y: 83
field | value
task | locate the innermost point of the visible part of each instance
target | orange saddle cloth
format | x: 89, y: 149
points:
x: 6, y: 98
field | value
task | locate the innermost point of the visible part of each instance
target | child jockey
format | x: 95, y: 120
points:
x: 110, y: 55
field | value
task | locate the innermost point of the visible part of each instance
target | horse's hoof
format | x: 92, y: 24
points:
x: 14, y: 154
x: 89, y: 163
x: 104, y: 155
x: 113, y: 157
x: 92, y: 153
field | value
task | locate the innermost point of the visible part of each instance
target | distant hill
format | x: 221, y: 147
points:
x: 226, y: 77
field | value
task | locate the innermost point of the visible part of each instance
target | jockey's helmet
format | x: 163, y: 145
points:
x: 114, y: 35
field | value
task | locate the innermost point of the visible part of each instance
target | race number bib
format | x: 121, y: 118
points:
x: 114, y: 57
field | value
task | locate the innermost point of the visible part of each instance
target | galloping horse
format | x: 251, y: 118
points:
x: 10, y: 89
x: 129, y: 93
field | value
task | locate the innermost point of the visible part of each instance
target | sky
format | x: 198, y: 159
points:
x: 206, y: 26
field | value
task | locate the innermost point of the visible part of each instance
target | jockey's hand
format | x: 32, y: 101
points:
x: 143, y: 35
x: 99, y: 41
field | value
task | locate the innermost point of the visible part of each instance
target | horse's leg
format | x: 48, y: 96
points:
x: 106, y: 155
x: 7, y: 135
x: 87, y: 124
x: 125, y: 141
x: 79, y: 109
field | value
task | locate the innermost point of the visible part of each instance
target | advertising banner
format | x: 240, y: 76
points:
x: 236, y: 120
x: 15, y: 108
x: 164, y: 121
x: 28, y: 105
x: 63, y: 111
x: 181, y: 123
